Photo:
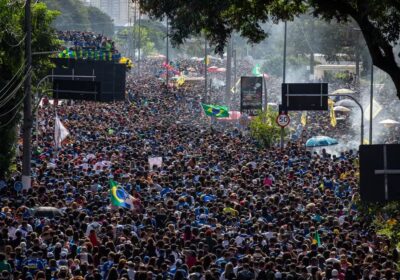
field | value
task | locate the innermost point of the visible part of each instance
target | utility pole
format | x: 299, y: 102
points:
x: 228, y: 70
x: 234, y: 63
x: 139, y: 42
x: 167, y: 77
x: 205, y: 66
x: 27, y: 125
x: 371, y: 102
x: 134, y: 31
x: 284, y: 79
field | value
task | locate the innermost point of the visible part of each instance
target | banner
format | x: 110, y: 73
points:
x: 155, y: 161
x: 251, y: 95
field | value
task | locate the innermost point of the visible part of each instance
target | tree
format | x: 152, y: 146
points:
x: 379, y: 21
x: 76, y: 16
x: 100, y: 22
x: 151, y: 39
x: 264, y: 128
x: 11, y: 65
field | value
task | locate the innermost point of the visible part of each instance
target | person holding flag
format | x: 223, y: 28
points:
x: 60, y: 132
x: 119, y: 197
x: 216, y: 111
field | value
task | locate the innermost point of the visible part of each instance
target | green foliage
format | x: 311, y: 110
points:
x: 386, y: 220
x: 264, y: 128
x: 379, y: 21
x: 151, y: 38
x: 76, y: 16
x: 11, y: 59
x: 100, y: 22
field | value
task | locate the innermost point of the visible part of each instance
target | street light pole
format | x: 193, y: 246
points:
x: 371, y: 102
x: 27, y: 126
x: 228, y: 71
x: 284, y: 78
x: 167, y: 77
x: 205, y: 67
x: 139, y: 42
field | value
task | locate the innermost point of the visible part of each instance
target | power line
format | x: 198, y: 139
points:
x: 19, y: 103
x: 11, y: 95
x: 10, y: 120
x: 11, y: 82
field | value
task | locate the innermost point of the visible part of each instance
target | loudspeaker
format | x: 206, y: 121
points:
x: 109, y: 81
x: 380, y: 172
x: 76, y: 90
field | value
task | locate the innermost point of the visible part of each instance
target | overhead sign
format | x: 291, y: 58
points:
x: 251, y: 95
x: 305, y: 96
x: 283, y: 120
x: 379, y: 172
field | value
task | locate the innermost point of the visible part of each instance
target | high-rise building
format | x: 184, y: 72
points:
x: 118, y: 10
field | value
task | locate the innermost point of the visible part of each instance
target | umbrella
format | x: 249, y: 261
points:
x: 233, y: 115
x: 47, y: 212
x: 341, y: 109
x: 320, y: 141
x: 212, y: 69
x: 343, y: 91
x: 389, y: 123
x: 220, y: 70
x: 346, y: 103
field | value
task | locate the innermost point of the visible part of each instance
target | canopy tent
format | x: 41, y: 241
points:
x: 233, y: 116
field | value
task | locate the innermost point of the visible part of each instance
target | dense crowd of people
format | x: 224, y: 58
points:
x: 218, y: 208
x: 87, y: 45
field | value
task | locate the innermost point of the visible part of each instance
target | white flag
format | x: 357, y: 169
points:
x: 60, y: 132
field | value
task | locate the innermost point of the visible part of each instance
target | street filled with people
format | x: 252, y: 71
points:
x: 217, y: 206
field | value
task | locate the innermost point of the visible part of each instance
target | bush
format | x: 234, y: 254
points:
x: 264, y: 128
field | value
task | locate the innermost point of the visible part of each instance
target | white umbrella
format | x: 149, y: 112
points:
x: 389, y: 122
x: 341, y: 109
x: 343, y: 91
x: 346, y: 103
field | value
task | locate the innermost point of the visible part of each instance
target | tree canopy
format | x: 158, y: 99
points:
x: 76, y: 16
x: 378, y: 20
x: 12, y: 66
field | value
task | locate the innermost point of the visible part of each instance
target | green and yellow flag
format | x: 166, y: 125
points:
x: 304, y: 118
x: 119, y: 197
x: 180, y: 81
x: 332, y: 112
x: 256, y: 71
x: 216, y: 111
x: 316, y: 239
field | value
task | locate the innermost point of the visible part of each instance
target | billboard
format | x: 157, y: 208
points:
x: 251, y: 94
x: 316, y: 98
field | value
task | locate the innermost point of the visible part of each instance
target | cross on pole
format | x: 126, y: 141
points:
x: 386, y: 172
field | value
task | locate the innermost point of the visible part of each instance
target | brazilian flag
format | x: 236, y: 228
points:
x: 215, y: 111
x: 119, y: 197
